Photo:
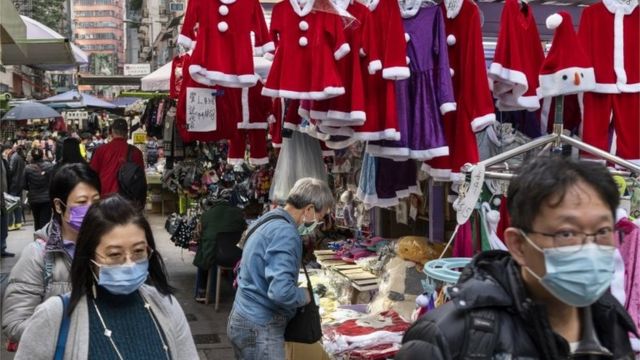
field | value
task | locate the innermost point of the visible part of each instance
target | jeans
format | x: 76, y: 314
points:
x: 253, y: 341
x: 15, y: 217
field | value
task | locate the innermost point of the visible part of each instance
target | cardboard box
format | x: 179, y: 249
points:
x: 298, y: 351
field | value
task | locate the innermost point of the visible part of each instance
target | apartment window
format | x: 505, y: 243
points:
x: 96, y: 24
x: 97, y: 36
x: 98, y: 13
x: 98, y: 47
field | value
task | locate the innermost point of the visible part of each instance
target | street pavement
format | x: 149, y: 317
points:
x: 207, y: 326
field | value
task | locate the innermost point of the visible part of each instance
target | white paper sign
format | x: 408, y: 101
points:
x: 201, y: 110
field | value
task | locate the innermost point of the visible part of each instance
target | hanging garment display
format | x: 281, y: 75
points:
x: 308, y: 43
x: 224, y: 56
x: 474, y: 103
x: 177, y: 70
x: 275, y: 128
x: 426, y: 95
x: 346, y: 109
x: 384, y: 47
x: 383, y: 182
x: 610, y: 34
x: 517, y: 59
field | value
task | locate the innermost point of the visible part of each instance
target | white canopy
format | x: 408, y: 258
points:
x: 159, y: 79
x: 38, y: 31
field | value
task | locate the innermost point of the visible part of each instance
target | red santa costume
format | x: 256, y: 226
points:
x: 565, y: 71
x: 347, y: 109
x: 224, y: 55
x: 517, y: 59
x: 610, y: 33
x: 257, y: 113
x: 385, y: 57
x: 308, y: 43
x: 475, y: 109
x: 275, y: 128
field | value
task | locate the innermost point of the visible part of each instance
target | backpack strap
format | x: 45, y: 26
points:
x: 250, y: 231
x: 64, y: 327
x: 128, y: 159
x: 482, y: 334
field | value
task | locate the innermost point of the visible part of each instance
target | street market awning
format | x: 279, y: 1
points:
x: 76, y: 99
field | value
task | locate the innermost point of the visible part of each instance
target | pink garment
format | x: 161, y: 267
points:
x: 463, y: 243
x: 630, y: 250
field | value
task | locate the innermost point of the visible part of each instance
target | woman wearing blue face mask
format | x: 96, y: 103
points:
x: 43, y: 268
x: 120, y: 306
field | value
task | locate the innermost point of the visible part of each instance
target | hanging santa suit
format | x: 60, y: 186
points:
x: 426, y: 95
x: 610, y: 33
x: 385, y: 51
x: 257, y: 113
x: 347, y: 109
x: 275, y: 128
x: 308, y: 43
x: 517, y: 59
x: 474, y: 103
x: 224, y: 55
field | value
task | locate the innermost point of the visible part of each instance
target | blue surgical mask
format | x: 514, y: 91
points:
x: 576, y: 275
x: 123, y: 279
x: 306, y: 227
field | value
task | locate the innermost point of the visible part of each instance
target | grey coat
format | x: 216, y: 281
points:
x: 40, y: 337
x: 27, y: 289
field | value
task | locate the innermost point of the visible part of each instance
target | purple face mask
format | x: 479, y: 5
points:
x: 76, y: 216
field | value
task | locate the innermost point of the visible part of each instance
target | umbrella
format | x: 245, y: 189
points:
x: 76, y: 99
x: 30, y: 110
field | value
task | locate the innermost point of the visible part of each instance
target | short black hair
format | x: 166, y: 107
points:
x: 37, y: 154
x: 66, y: 178
x: 120, y: 127
x: 71, y: 151
x: 101, y: 218
x: 544, y: 178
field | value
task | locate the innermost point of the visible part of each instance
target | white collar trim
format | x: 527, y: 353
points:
x: 227, y: 2
x: 304, y: 11
x: 372, y: 4
x: 453, y: 8
x: 626, y: 6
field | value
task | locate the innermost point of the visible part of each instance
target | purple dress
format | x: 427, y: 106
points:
x: 424, y: 97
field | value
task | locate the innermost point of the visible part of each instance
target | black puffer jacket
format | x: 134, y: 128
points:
x: 37, y: 177
x: 491, y: 283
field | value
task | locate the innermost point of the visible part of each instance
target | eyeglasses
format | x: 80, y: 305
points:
x: 118, y: 257
x: 566, y: 240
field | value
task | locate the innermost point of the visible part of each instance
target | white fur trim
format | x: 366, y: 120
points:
x: 254, y: 126
x: 327, y: 93
x: 387, y: 134
x: 227, y: 2
x: 562, y: 82
x: 481, y: 122
x: 507, y: 102
x: 372, y: 4
x: 396, y: 73
x: 308, y: 6
x: 223, y: 10
x: 342, y: 51
x: 336, y: 131
x: 303, y: 41
x: 290, y: 126
x: 353, y: 117
x: 553, y: 21
x: 497, y: 72
x: 269, y: 56
x: 342, y: 144
x: 407, y: 37
x: 312, y: 131
x: 259, y: 161
x: 626, y: 8
x: 271, y: 119
x: 276, y: 145
x: 223, y: 26
x: 244, y: 99
x: 264, y: 49
x: 185, y: 41
x: 437, y: 174
x: 209, y: 78
x: 629, y: 88
x: 372, y: 200
x: 448, y: 107
x: 618, y: 47
x: 451, y: 40
x: 374, y: 66
x: 402, y: 154
x: 453, y: 9
x: 235, y: 161
x: 304, y: 113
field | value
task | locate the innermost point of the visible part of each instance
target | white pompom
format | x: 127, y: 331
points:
x: 408, y: 60
x: 451, y: 40
x: 497, y: 201
x: 223, y: 10
x: 407, y: 37
x: 493, y: 217
x: 223, y: 26
x: 303, y: 25
x: 553, y: 21
x: 452, y: 72
x: 303, y: 41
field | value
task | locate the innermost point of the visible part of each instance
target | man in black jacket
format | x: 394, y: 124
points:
x: 548, y: 297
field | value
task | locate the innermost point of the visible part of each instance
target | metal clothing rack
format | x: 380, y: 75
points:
x: 553, y: 141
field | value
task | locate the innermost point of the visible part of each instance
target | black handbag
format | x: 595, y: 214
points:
x: 305, y: 327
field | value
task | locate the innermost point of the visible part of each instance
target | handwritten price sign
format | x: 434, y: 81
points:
x: 201, y: 110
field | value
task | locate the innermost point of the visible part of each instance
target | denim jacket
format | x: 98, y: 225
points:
x: 268, y: 277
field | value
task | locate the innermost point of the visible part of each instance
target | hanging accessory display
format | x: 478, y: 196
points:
x: 305, y: 327
x: 108, y: 333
